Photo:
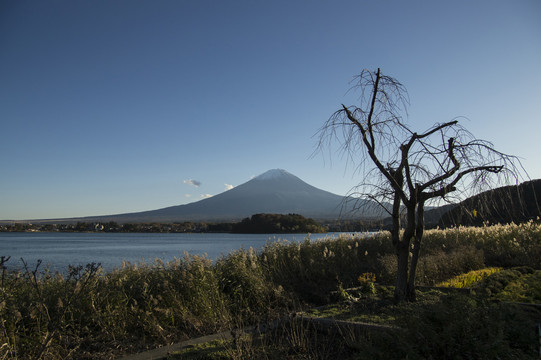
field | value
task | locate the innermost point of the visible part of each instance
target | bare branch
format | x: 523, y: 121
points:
x: 401, y: 169
x: 451, y: 186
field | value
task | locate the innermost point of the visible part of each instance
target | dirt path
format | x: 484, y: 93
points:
x: 322, y: 323
x: 163, y: 352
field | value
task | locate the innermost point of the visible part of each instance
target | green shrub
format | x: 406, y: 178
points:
x: 519, y: 284
x: 469, y: 279
x: 460, y: 327
x: 497, y: 282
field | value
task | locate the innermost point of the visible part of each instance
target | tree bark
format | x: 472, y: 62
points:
x: 403, y: 251
x: 419, y: 228
x: 401, y: 286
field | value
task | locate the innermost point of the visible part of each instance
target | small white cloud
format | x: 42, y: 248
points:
x: 187, y: 195
x: 193, y: 182
x: 228, y: 187
x: 205, y: 196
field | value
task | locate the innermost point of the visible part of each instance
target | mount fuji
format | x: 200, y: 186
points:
x: 275, y: 191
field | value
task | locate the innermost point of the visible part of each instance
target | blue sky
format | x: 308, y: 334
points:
x: 117, y: 106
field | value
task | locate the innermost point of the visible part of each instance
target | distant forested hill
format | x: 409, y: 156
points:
x: 277, y: 223
x: 502, y: 205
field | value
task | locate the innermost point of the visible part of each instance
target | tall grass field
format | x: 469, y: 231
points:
x: 91, y: 314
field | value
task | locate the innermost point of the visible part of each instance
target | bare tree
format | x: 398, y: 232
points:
x: 402, y: 170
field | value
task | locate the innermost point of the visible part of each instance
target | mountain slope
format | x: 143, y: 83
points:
x: 275, y: 191
x: 502, y: 205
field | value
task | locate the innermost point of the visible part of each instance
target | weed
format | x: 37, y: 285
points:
x: 367, y: 281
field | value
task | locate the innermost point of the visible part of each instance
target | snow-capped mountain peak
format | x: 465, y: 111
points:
x: 272, y: 174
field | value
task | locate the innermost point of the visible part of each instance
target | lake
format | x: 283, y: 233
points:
x: 59, y: 250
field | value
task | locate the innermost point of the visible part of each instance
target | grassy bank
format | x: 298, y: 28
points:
x: 91, y: 314
x: 439, y: 325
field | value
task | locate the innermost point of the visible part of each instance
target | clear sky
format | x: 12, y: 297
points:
x: 118, y: 106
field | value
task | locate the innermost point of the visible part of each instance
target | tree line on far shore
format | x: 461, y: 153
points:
x: 278, y: 224
x: 258, y: 223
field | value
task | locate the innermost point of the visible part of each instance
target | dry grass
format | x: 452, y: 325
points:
x: 91, y: 314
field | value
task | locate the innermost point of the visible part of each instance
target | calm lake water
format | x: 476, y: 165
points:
x: 59, y: 250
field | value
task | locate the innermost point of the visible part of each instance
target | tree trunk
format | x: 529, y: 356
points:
x: 419, y: 228
x: 401, y: 286
x: 402, y: 253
